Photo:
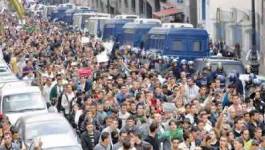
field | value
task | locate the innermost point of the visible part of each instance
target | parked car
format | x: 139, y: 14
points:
x: 18, y: 99
x: 32, y: 126
x: 51, y: 142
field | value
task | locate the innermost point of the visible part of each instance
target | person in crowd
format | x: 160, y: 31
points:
x: 105, y: 143
x: 90, y: 137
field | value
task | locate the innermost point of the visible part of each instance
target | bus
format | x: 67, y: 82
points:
x: 95, y: 25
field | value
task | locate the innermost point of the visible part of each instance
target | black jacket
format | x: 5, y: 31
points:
x: 86, y: 140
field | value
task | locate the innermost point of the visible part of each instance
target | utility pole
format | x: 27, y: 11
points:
x: 254, y: 55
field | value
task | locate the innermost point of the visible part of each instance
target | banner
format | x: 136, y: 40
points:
x: 85, y: 72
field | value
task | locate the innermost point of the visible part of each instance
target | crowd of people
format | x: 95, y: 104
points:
x: 134, y: 101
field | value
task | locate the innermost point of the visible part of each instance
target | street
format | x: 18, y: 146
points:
x: 88, y: 77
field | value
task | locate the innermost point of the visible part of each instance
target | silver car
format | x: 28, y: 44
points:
x: 51, y: 142
x: 32, y: 126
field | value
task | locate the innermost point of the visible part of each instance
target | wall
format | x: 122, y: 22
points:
x: 233, y: 30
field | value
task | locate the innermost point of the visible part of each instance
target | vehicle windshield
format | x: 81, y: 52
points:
x: 228, y: 68
x: 23, y: 102
x: 91, y: 25
x: 46, y: 128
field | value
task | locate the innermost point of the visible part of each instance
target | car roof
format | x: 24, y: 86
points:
x: 51, y: 141
x: 17, y: 88
x: 43, y: 117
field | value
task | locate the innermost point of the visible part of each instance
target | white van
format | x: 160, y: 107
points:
x: 17, y: 99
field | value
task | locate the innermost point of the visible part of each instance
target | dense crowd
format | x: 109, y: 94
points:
x: 134, y: 101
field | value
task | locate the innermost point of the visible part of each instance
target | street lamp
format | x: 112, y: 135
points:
x: 253, y: 55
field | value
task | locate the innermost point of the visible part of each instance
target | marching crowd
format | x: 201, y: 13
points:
x: 134, y: 101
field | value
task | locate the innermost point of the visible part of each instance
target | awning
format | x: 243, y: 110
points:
x: 166, y: 12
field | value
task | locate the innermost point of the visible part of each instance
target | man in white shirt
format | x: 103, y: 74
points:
x: 191, y: 90
x: 47, y: 89
x: 67, y: 99
x: 124, y: 114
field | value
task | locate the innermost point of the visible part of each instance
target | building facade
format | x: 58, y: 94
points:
x: 145, y: 8
x: 230, y: 22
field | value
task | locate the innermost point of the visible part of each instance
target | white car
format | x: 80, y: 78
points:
x: 49, y: 124
x: 17, y: 99
x: 51, y: 142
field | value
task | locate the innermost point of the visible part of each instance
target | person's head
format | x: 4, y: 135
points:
x: 105, y: 138
x: 193, y: 109
x: 247, y: 117
x: 126, y: 143
x: 258, y: 133
x: 203, y: 90
x: 223, y: 141
x: 69, y: 88
x: 123, y: 134
x: 238, y: 144
x: 89, y: 127
x: 236, y: 99
x: 140, y: 109
x: 245, y: 134
x: 172, y: 124
x: 59, y: 79
x: 190, y: 82
x: 7, y: 138
x: 123, y: 108
x: 254, y: 115
x: 157, y: 117
x: 175, y: 143
x: 136, y: 136
x: 130, y: 121
x: 114, y: 123
x: 99, y: 107
x: 239, y: 124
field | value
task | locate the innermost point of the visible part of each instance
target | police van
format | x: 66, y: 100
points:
x: 176, y: 41
x: 134, y: 33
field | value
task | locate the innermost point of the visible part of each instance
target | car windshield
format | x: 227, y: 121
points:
x: 46, y: 128
x: 23, y: 102
x: 64, y: 148
x: 228, y: 68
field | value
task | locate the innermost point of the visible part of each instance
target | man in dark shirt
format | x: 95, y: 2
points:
x: 90, y: 137
x: 152, y: 137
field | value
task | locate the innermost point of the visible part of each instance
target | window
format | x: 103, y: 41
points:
x: 203, y: 9
x: 158, y: 37
x: 141, y: 7
x: 126, y: 4
x: 133, y: 5
x: 177, y: 45
x: 129, y: 31
x: 196, y: 46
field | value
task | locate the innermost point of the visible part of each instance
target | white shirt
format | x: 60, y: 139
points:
x: 66, y: 101
x: 124, y: 117
x: 191, y: 92
x: 78, y: 113
x: 46, y: 92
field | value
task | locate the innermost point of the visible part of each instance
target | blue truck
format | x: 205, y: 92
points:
x: 188, y: 43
